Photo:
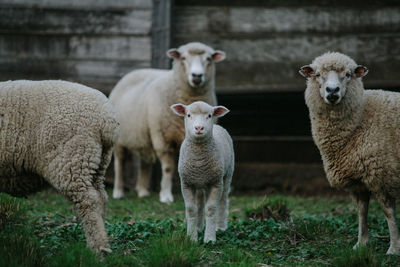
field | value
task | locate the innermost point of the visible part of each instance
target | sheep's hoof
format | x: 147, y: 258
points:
x: 105, y: 250
x: 166, y: 197
x: 223, y: 228
x: 393, y: 250
x: 209, y: 239
x: 143, y: 193
x: 117, y: 194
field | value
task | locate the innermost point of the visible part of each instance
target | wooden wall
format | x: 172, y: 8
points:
x: 94, y: 42
x: 267, y: 41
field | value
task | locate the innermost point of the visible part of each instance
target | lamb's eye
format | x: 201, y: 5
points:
x: 209, y: 115
x: 183, y: 58
x: 348, y: 74
x: 189, y: 115
x: 208, y: 59
x: 317, y: 75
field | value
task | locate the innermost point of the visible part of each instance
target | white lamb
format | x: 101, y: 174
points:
x: 357, y: 133
x: 58, y: 133
x: 206, y: 164
x: 142, y: 99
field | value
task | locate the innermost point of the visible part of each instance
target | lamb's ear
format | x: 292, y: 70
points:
x: 173, y: 53
x: 218, y: 56
x: 306, y: 71
x: 220, y: 111
x: 360, y: 71
x: 179, y: 109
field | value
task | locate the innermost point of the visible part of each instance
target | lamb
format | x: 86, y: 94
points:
x: 58, y: 133
x: 154, y: 133
x: 357, y: 133
x: 206, y: 164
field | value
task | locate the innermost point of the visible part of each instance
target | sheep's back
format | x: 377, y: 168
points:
x: 41, y: 116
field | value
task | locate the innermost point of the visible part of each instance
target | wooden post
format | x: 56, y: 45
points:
x: 161, y: 33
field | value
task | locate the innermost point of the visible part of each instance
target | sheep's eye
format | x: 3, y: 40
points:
x: 348, y: 75
x: 189, y: 115
x: 209, y: 115
x: 208, y: 59
x: 317, y: 75
x: 183, y: 58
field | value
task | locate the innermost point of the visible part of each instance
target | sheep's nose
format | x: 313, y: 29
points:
x: 332, y: 90
x: 199, y: 128
x: 196, y: 77
x: 332, y: 97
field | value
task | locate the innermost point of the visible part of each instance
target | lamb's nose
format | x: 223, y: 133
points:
x: 199, y: 128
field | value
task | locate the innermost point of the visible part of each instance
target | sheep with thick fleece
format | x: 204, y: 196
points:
x: 148, y: 129
x: 58, y: 133
x: 357, y: 133
x: 206, y: 164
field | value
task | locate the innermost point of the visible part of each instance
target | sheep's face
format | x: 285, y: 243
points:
x: 197, y: 63
x: 199, y: 118
x: 332, y: 82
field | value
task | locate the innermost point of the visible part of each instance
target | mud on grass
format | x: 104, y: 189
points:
x: 43, y: 231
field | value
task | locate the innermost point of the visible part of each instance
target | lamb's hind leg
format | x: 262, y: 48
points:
x: 362, y: 201
x: 223, y: 209
x: 200, y: 201
x: 118, y: 191
x: 389, y: 208
x: 143, y: 180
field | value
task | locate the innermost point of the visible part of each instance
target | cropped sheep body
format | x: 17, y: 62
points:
x: 58, y: 133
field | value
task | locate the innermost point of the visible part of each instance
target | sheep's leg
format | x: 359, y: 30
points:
x: 362, y: 201
x: 168, y: 167
x: 223, y: 209
x: 118, y: 191
x: 389, y: 208
x: 213, y: 198
x: 143, y: 180
x: 189, y: 197
x: 98, y: 181
x: 74, y: 173
x: 200, y: 195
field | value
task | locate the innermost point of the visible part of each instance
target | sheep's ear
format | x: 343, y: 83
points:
x: 173, y: 53
x: 218, y: 56
x: 179, y: 109
x: 306, y: 71
x: 360, y: 71
x: 220, y: 111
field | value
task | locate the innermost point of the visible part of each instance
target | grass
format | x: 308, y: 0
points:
x: 315, y: 231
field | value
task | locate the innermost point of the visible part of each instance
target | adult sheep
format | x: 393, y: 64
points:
x: 148, y: 127
x: 58, y: 133
x: 357, y: 133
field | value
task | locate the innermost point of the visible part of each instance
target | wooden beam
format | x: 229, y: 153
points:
x: 161, y: 33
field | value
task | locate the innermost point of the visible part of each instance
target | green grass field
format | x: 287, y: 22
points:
x: 310, y: 231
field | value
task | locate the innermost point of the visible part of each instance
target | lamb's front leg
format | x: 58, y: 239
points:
x: 213, y: 198
x: 189, y: 197
x: 389, y: 208
x: 362, y: 201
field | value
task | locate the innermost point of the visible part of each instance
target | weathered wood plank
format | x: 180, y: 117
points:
x: 79, y: 4
x: 101, y: 74
x: 25, y: 20
x: 76, y: 47
x: 256, y: 22
x: 161, y: 33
